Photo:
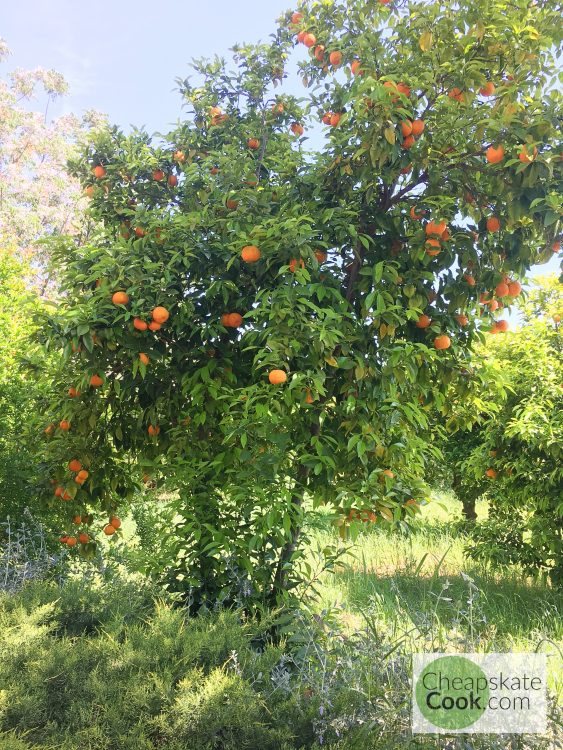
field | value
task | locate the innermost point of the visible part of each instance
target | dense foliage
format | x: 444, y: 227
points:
x: 257, y: 323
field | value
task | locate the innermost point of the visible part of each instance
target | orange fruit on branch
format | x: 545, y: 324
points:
x: 335, y: 59
x: 488, y: 89
x: 493, y: 224
x: 253, y: 144
x: 276, y: 377
x: 417, y: 127
x: 423, y: 322
x: 109, y: 530
x: 494, y: 155
x: 96, y: 381
x: 64, y: 424
x: 158, y: 175
x: 442, y: 342
x: 120, y: 298
x: 250, y: 254
x: 309, y: 40
x: 160, y: 315
x: 514, y: 288
x: 99, y: 172
x: 139, y: 324
x: 144, y: 358
x: 74, y: 465
x: 115, y: 521
x: 297, y: 128
x: 153, y: 430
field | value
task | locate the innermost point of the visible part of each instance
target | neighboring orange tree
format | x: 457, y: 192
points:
x: 517, y: 455
x: 261, y: 326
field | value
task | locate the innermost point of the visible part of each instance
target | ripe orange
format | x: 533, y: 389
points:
x: 557, y: 318
x: 457, y: 94
x: 488, y: 89
x: 296, y: 18
x: 172, y: 180
x: 109, y: 530
x: 493, y: 224
x: 437, y: 228
x: 407, y: 169
x: 278, y: 108
x: 514, y: 288
x: 417, y: 127
x: 320, y: 52
x: 293, y: 264
x: 153, y: 430
x: 253, y: 144
x: 179, y: 156
x: 326, y: 118
x: 144, y: 358
x: 356, y: 68
x: 115, y: 521
x: 160, y: 315
x: 89, y: 191
x: 77, y: 520
x: 214, y: 170
x: 234, y: 320
x: 73, y: 392
x: 139, y: 232
x: 120, y: 298
x: 525, y: 157
x: 502, y: 325
x: 406, y: 128
x: 66, y: 496
x: 387, y: 473
x: 250, y: 254
x: 74, y: 465
x: 153, y: 326
x: 297, y: 128
x: 470, y: 279
x: 276, y: 377
x: 71, y: 541
x: 442, y: 342
x: 83, y: 475
x: 556, y: 247
x: 414, y: 215
x: 491, y: 473
x: 433, y: 247
x: 502, y: 290
x: 335, y: 59
x: 158, y: 175
x: 139, y: 324
x: 335, y: 119
x: 59, y: 491
x: 308, y: 398
x: 462, y: 319
x: 96, y: 381
x: 301, y: 36
x: 493, y: 305
x: 64, y: 424
x: 494, y: 155
x: 408, y: 142
x: 231, y: 204
x: 83, y: 538
x: 321, y: 256
x: 309, y: 40
x: 423, y: 322
x: 99, y: 172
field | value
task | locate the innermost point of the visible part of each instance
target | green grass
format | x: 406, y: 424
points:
x: 424, y: 590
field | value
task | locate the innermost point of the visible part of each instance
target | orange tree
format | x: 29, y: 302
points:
x: 266, y: 326
x: 517, y: 457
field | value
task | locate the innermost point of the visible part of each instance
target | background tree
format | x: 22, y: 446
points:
x: 37, y: 195
x: 518, y: 452
x: 305, y: 310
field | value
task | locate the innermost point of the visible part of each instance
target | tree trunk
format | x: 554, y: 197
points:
x: 467, y: 498
x: 281, y: 575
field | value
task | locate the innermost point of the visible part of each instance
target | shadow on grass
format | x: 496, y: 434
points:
x: 507, y: 607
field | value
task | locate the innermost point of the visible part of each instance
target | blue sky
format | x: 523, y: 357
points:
x: 121, y: 57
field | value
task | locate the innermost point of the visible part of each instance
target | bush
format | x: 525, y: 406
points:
x: 102, y: 666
